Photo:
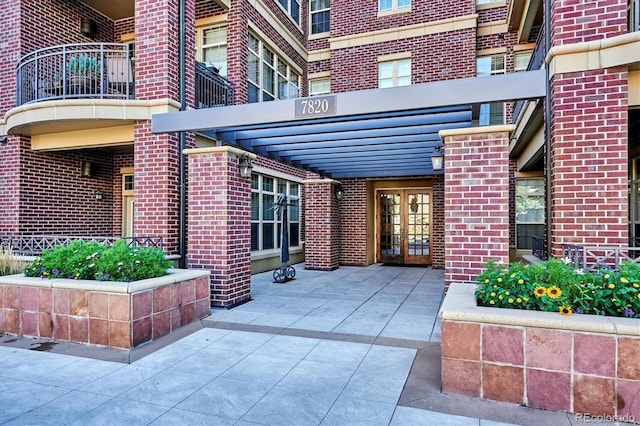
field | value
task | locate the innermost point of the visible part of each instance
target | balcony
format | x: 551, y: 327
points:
x: 75, y: 71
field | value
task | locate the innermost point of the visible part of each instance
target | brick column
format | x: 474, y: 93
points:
x: 589, y: 133
x: 220, y: 223
x: 322, y: 225
x: 157, y: 157
x: 476, y: 199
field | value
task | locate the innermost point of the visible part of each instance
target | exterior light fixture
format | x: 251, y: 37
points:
x: 436, y: 159
x: 87, y: 169
x: 88, y: 27
x: 4, y: 140
x: 245, y: 166
x: 339, y: 191
x: 98, y: 194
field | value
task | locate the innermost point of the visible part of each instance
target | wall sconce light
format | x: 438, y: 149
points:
x: 98, y: 194
x: 339, y: 191
x: 88, y: 27
x: 87, y: 169
x: 245, y: 167
x: 4, y: 140
x: 436, y: 159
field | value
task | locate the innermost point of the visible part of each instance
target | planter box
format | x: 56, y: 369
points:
x: 582, y: 364
x: 115, y: 314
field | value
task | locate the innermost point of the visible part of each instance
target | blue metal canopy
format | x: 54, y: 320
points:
x: 362, y: 134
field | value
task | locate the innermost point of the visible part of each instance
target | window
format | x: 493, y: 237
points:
x: 321, y: 86
x: 530, y: 208
x: 521, y: 60
x: 493, y: 113
x: 212, y: 47
x: 388, y: 5
x: 319, y: 10
x: 293, y: 9
x: 265, y: 224
x: 269, y: 76
x: 489, y: 1
x: 394, y: 73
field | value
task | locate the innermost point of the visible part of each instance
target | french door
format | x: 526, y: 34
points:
x: 404, y: 226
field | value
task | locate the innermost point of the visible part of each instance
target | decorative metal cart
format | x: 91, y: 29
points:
x: 284, y: 273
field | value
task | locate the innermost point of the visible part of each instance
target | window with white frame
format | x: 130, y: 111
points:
x: 212, y: 47
x: 390, y: 5
x: 265, y: 223
x: 293, y: 9
x: 521, y: 60
x: 530, y: 207
x: 320, y: 86
x: 489, y: 1
x: 269, y: 76
x: 394, y: 73
x: 320, y: 14
x: 493, y: 113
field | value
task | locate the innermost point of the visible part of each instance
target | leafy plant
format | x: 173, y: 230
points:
x: 557, y: 286
x: 8, y: 263
x: 82, y: 64
x: 82, y: 260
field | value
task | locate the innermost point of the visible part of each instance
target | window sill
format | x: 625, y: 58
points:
x: 319, y: 35
x: 394, y: 12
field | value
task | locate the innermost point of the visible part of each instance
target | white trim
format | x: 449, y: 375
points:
x: 278, y: 175
x: 277, y: 25
x: 275, y: 48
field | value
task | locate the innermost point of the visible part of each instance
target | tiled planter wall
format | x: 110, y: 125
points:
x: 119, y: 315
x: 581, y: 364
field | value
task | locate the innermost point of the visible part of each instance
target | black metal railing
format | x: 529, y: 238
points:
x: 72, y: 71
x: 539, y: 247
x: 212, y: 90
x: 535, y: 63
x: 34, y: 245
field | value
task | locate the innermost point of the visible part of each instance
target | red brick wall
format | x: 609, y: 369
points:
x: 589, y: 153
x: 10, y: 52
x: 437, y: 223
x: 476, y: 203
x: 353, y: 222
x: 10, y: 187
x: 322, y: 227
x: 220, y: 225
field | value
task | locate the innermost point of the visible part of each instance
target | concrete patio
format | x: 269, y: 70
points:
x: 355, y: 346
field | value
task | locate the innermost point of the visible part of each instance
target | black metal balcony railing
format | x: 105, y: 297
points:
x: 34, y: 245
x: 72, y: 71
x: 535, y: 63
x: 539, y: 247
x: 212, y: 90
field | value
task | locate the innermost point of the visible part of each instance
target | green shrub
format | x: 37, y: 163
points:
x: 556, y: 286
x: 8, y: 263
x: 93, y: 261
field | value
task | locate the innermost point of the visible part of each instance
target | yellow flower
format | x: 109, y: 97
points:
x: 520, y: 281
x: 623, y: 280
x: 507, y: 293
x: 636, y: 285
x: 540, y: 291
x: 510, y: 300
x: 638, y: 295
x: 501, y: 297
x: 499, y: 279
x: 486, y: 280
x: 526, y: 299
x: 554, y: 292
x: 611, y: 286
x: 492, y: 302
x: 566, y: 310
x: 519, y: 300
x: 513, y: 275
x: 606, y: 276
x: 493, y: 294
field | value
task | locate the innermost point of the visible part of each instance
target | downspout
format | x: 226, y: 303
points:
x: 547, y: 125
x: 182, y: 221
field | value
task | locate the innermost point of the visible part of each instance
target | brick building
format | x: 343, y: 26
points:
x: 123, y: 118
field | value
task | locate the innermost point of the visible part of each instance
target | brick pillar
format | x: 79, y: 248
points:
x: 220, y: 223
x: 589, y: 134
x: 476, y: 200
x: 322, y: 225
x: 156, y: 162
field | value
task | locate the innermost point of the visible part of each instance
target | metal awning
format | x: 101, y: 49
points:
x: 368, y: 133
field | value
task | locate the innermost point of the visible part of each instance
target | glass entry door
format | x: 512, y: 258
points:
x: 404, y: 226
